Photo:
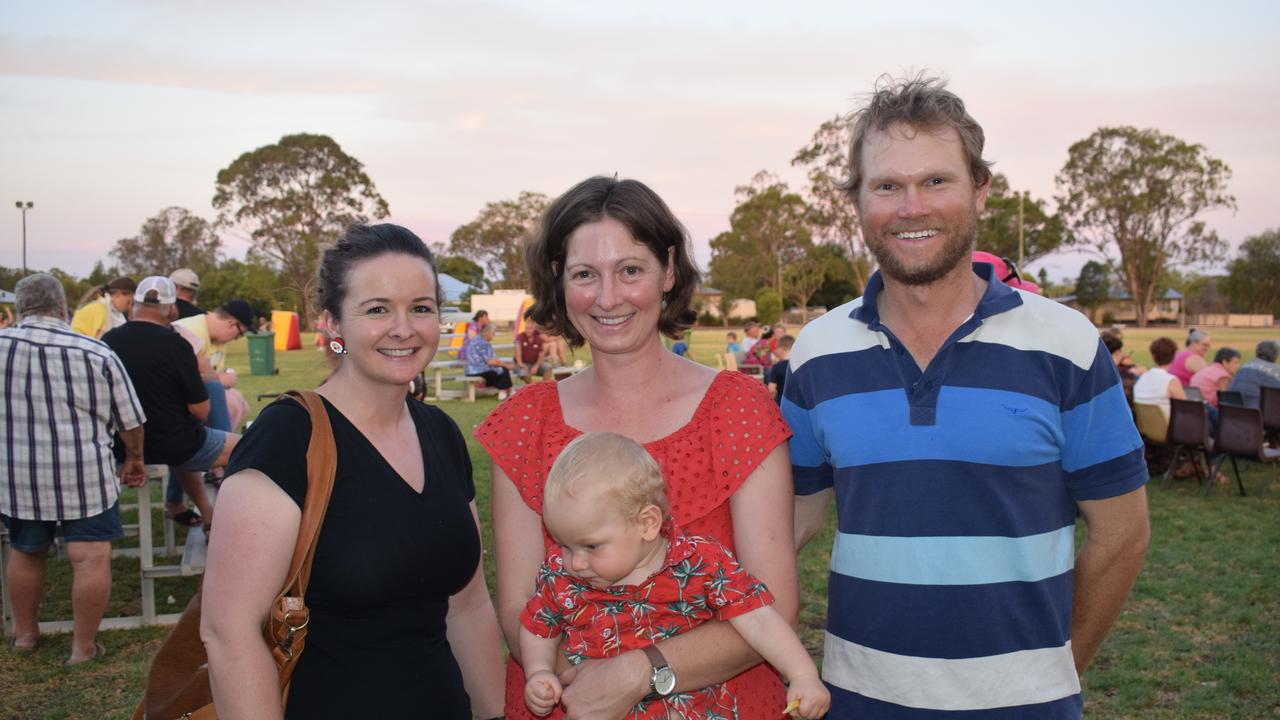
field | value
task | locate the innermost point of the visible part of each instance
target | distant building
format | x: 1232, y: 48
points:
x: 1167, y: 308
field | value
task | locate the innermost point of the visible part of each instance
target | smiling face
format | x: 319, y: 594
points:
x: 613, y: 287
x: 389, y: 318
x: 917, y: 202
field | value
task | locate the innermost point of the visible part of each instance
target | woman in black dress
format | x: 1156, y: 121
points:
x: 401, y: 621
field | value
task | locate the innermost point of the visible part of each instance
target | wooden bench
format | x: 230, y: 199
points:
x: 192, y: 562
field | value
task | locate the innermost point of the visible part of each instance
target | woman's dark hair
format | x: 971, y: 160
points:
x: 1225, y: 355
x: 1111, y: 342
x: 649, y: 221
x: 1162, y: 350
x: 479, y: 314
x: 358, y: 244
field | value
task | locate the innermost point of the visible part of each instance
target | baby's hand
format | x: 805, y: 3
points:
x: 542, y: 692
x: 811, y: 694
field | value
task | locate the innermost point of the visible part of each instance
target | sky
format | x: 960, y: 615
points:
x: 113, y: 111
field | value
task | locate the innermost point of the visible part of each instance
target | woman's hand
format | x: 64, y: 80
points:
x: 605, y: 689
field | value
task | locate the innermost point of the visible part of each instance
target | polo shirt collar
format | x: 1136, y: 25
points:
x: 997, y: 298
x: 46, y: 321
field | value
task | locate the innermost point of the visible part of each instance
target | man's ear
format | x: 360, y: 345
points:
x: 650, y: 521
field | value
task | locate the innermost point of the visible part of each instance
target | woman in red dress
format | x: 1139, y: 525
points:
x: 610, y: 269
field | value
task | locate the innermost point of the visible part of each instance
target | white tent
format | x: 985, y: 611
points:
x: 7, y: 297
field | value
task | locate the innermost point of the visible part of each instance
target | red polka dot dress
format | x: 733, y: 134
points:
x: 733, y: 429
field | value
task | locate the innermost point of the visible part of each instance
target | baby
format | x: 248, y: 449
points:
x: 625, y: 577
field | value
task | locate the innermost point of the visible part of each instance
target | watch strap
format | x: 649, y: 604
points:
x: 655, y: 656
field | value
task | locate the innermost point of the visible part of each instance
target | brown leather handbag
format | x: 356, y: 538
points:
x: 178, y: 682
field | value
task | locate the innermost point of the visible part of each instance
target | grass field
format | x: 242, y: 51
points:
x: 1199, y: 637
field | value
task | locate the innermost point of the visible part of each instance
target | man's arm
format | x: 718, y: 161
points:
x: 811, y: 512
x: 133, y: 472
x: 1106, y: 567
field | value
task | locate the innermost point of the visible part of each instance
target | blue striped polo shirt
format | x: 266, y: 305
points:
x: 956, y: 490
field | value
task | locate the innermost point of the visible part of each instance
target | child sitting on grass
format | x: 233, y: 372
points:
x: 626, y: 577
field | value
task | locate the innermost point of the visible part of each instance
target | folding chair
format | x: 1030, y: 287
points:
x: 1270, y: 407
x: 1152, y: 424
x: 1240, y: 436
x: 1188, y: 430
x: 1230, y: 397
x: 1193, y: 393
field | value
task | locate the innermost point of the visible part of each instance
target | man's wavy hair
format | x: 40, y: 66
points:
x: 924, y: 104
x: 649, y: 221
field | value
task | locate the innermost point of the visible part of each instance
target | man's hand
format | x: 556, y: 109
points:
x: 228, y: 379
x: 133, y: 473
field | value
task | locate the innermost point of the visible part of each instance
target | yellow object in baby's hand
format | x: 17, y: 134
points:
x: 791, y: 707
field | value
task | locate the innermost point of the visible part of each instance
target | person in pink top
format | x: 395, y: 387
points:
x: 1190, y: 360
x: 1217, y: 375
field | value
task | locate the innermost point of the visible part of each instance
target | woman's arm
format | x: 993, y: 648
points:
x: 517, y: 539
x: 473, y: 636
x: 248, y: 560
x: 1176, y: 391
x: 712, y: 652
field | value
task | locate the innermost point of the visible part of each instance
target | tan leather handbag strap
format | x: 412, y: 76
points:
x: 322, y: 465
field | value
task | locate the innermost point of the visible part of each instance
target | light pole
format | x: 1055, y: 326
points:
x: 23, y: 207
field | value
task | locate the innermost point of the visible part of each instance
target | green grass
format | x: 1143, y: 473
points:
x: 1199, y: 637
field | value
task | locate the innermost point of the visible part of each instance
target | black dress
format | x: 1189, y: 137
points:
x: 387, y: 560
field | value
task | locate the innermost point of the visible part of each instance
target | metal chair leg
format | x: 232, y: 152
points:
x: 1236, y: 469
x: 1173, y: 467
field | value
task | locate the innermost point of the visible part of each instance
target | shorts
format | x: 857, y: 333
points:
x: 542, y: 369
x: 214, y: 441
x: 33, y: 536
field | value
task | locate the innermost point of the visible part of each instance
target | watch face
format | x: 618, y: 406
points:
x: 664, y: 680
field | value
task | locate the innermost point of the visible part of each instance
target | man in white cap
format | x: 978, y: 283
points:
x: 164, y: 372
x: 188, y: 283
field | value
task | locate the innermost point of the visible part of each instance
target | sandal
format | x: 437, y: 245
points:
x: 187, y: 518
x: 99, y: 651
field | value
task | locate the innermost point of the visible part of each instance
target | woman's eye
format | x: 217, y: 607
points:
x: 424, y: 309
x: 375, y: 310
x: 582, y: 275
x: 631, y: 270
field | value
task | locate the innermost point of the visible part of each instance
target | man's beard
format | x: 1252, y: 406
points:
x: 958, y: 249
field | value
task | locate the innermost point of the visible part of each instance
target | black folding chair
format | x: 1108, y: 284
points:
x: 1240, y: 436
x: 1230, y: 397
x: 1193, y: 393
x: 1189, y: 431
x: 1270, y: 407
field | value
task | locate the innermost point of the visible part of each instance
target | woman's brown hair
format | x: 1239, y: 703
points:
x: 650, y: 223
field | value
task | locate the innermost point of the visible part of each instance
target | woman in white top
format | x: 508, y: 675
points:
x: 1157, y: 385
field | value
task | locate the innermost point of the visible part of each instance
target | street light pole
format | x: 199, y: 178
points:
x: 23, y: 207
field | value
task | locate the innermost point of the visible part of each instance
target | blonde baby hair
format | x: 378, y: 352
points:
x: 614, y: 464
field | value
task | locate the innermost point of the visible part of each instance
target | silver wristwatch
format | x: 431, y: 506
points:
x: 662, y: 680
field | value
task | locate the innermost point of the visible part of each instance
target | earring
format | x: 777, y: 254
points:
x: 664, y: 301
x: 337, y: 345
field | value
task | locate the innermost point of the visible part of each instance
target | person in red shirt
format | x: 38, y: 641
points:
x: 625, y: 576
x: 532, y: 350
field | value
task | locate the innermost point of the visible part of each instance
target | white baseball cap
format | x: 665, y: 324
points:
x: 161, y: 289
x: 185, y: 277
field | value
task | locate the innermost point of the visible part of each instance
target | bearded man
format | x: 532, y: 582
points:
x: 960, y: 424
